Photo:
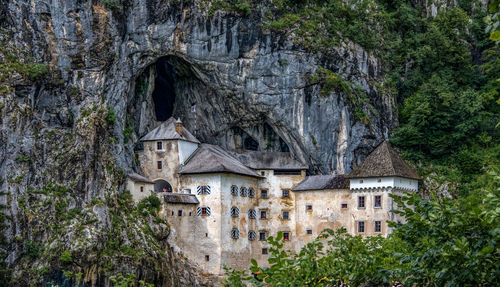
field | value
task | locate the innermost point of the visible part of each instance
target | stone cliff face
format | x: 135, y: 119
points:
x: 111, y: 66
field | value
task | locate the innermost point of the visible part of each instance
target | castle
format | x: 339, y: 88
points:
x: 222, y: 206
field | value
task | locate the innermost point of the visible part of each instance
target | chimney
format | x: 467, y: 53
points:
x: 178, y: 126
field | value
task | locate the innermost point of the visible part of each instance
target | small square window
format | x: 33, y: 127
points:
x: 286, y: 235
x: 263, y: 193
x: 179, y: 213
x: 309, y: 231
x: 378, y: 226
x: 379, y: 180
x: 262, y: 236
x: 263, y: 214
x: 360, y: 181
x: 361, y: 227
x: 264, y: 251
x: 204, y: 211
x: 285, y: 193
x: 377, y: 201
x: 343, y: 205
x: 142, y: 188
x: 159, y: 164
x: 309, y: 207
x: 361, y: 201
x: 285, y: 215
x: 159, y: 145
x: 207, y: 258
x: 263, y: 173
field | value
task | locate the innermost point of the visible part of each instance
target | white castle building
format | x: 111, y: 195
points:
x: 222, y: 206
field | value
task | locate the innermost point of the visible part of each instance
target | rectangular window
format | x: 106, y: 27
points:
x: 264, y: 251
x: 309, y: 231
x: 361, y: 227
x: 361, y: 201
x: 288, y: 172
x: 309, y: 207
x: 159, y: 145
x: 285, y: 215
x: 286, y: 235
x: 262, y: 236
x: 377, y: 201
x: 203, y: 211
x: 343, y: 205
x: 262, y: 173
x: 378, y: 226
x: 142, y: 188
x: 263, y: 193
x: 285, y: 193
x: 179, y: 213
x: 159, y: 164
x: 263, y: 214
x: 360, y: 181
x: 207, y: 258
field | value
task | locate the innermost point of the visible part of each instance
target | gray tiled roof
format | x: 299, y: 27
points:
x: 138, y: 178
x: 213, y: 159
x: 270, y: 160
x: 384, y: 161
x: 180, y: 198
x: 318, y: 182
x: 166, y: 131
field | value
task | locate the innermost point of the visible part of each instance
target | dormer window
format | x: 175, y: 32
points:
x: 159, y: 145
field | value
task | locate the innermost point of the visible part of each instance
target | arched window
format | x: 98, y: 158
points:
x: 162, y: 186
x: 252, y: 214
x: 235, y: 212
x: 243, y: 191
x: 251, y: 192
x: 234, y: 190
x: 251, y: 235
x: 235, y: 233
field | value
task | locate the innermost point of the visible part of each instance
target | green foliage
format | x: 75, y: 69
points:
x: 5, y: 273
x: 111, y: 4
x: 127, y: 280
x: 66, y: 257
x: 32, y: 249
x: 241, y: 7
x: 494, y: 21
x: 444, y: 242
x: 128, y: 130
x: 111, y: 116
x: 22, y: 158
x: 149, y: 205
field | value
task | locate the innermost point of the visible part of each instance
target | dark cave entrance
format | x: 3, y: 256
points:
x: 164, y: 91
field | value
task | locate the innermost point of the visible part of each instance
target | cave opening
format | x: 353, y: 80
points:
x: 164, y: 91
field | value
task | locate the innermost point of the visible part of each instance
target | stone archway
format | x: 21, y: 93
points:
x: 162, y: 186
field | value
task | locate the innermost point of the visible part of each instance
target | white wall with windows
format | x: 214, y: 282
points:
x: 383, y: 182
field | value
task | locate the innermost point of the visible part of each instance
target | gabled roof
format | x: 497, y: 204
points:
x: 318, y: 182
x: 213, y: 159
x: 135, y: 177
x: 180, y: 198
x: 384, y: 161
x: 166, y: 131
x: 270, y: 160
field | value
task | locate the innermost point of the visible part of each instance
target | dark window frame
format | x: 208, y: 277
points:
x: 264, y: 193
x: 285, y: 193
x: 361, y: 201
x: 377, y: 201
x: 287, y: 217
x: 159, y: 146
x: 375, y: 226
x: 361, y: 225
x: 159, y: 164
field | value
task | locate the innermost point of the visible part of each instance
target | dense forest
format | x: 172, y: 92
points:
x: 444, y: 71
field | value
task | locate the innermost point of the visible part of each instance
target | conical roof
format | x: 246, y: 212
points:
x: 167, y: 131
x: 384, y: 161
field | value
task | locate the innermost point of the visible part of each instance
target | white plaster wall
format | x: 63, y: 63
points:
x: 186, y: 149
x: 385, y: 182
x: 169, y: 157
x: 197, y: 236
x: 236, y: 253
x: 369, y: 213
x: 275, y: 205
x: 326, y: 213
x: 135, y: 189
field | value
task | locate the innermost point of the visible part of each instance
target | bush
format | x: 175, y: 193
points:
x: 66, y: 257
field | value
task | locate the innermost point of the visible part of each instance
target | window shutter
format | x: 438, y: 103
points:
x: 251, y: 193
x: 234, y: 190
x: 235, y: 233
x: 235, y: 211
x: 198, y: 211
x: 243, y: 191
x: 251, y: 235
x: 208, y: 189
x: 208, y: 211
x: 252, y: 213
x: 198, y: 190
